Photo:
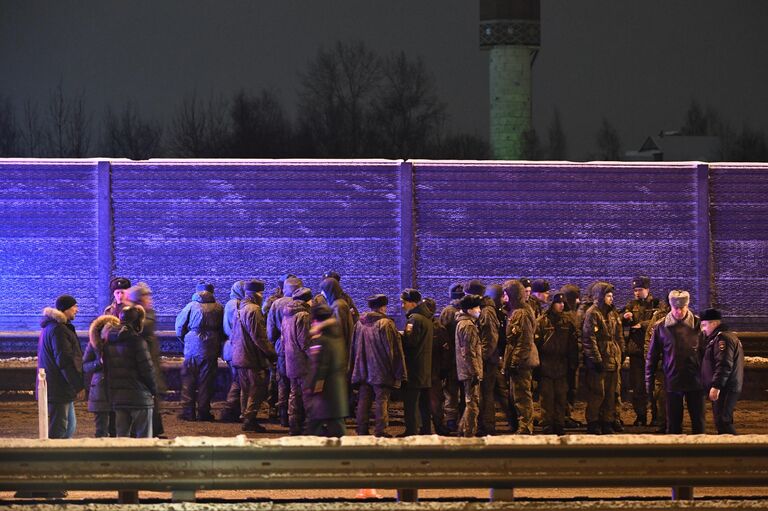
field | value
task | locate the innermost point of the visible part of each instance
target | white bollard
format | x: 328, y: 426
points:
x: 42, y: 404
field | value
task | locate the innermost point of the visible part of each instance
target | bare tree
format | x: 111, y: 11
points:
x: 406, y: 110
x: 334, y: 99
x: 608, y: 142
x: 126, y: 134
x: 558, y: 147
x: 10, y: 134
x: 69, y: 125
x: 200, y: 129
x: 462, y: 146
x: 531, y: 146
x: 260, y: 127
x: 32, y: 132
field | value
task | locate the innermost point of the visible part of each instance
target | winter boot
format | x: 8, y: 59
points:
x: 253, y: 425
x: 284, y: 417
x: 606, y: 428
x: 593, y: 428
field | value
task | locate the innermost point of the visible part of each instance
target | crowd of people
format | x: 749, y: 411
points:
x: 314, y: 358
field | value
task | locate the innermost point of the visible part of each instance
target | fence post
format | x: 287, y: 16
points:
x: 42, y: 404
x: 704, y: 277
x: 105, y: 232
x: 407, y: 226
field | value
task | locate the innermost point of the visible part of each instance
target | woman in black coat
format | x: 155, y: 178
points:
x: 98, y: 398
x: 130, y: 376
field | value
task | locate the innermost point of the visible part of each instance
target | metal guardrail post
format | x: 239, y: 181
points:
x: 682, y: 493
x: 502, y: 495
x: 183, y: 496
x: 128, y: 497
x: 408, y: 495
x: 42, y: 404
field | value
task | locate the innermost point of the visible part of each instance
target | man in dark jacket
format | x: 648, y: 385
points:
x: 141, y: 294
x: 432, y: 407
x: 603, y: 343
x: 118, y: 287
x: 417, y: 346
x: 637, y: 317
x: 556, y: 337
x: 295, y: 339
x: 252, y: 354
x: 722, y: 369
x: 469, y: 361
x: 520, y: 354
x: 325, y: 388
x: 130, y: 375
x: 277, y: 293
x: 675, y: 341
x: 503, y: 396
x: 59, y: 353
x: 488, y: 326
x: 450, y: 383
x: 200, y: 327
x: 378, y: 365
x: 274, y: 324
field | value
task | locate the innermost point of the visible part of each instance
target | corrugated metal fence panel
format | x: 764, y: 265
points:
x: 177, y: 223
x: 739, y: 209
x: 48, y: 238
x: 559, y: 221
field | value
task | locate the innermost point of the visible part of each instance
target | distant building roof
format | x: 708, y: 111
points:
x: 676, y: 148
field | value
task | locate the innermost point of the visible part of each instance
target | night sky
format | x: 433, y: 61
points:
x: 639, y: 64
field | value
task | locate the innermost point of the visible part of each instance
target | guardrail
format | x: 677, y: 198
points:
x: 187, y: 464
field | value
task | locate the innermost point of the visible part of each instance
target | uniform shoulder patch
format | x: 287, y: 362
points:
x: 721, y: 345
x: 409, y: 328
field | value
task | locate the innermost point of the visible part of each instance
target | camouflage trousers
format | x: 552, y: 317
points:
x: 601, y: 396
x: 520, y: 385
x: 468, y: 423
x: 554, y: 400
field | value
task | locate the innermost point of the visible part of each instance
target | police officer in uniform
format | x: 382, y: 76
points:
x: 722, y: 369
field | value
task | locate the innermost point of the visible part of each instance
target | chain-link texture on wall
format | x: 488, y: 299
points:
x: 69, y: 225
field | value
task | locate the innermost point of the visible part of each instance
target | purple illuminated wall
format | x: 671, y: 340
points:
x: 71, y: 224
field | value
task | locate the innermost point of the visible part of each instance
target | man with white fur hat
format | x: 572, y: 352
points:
x: 675, y: 341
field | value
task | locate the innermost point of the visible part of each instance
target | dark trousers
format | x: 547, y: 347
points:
x: 198, y: 377
x: 326, y: 427
x: 695, y: 401
x: 232, y: 405
x: 411, y: 409
x: 379, y: 396
x: 62, y: 421
x: 637, y: 384
x: 134, y: 422
x: 296, y: 415
x: 488, y: 399
x: 157, y: 419
x: 722, y: 411
x: 253, y: 391
x: 104, y: 423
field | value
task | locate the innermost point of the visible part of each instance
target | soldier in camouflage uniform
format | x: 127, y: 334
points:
x: 603, y: 345
x: 469, y: 361
x: 637, y: 317
x: 450, y: 384
x: 520, y: 353
x: 555, y: 339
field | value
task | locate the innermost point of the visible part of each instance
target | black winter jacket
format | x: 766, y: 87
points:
x: 98, y: 333
x: 676, y: 344
x: 130, y: 375
x: 417, y: 346
x: 59, y: 353
x: 723, y: 364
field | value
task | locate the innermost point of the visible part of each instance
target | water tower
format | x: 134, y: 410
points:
x: 511, y: 31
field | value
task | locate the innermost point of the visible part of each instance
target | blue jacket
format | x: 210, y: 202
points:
x: 200, y: 326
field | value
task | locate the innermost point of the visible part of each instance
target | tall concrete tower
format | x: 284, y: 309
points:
x: 511, y: 31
